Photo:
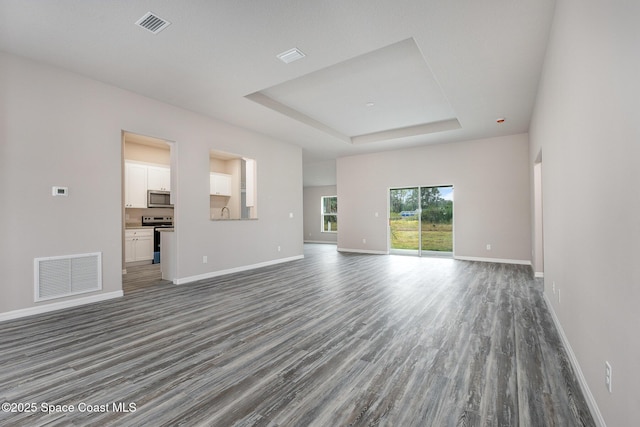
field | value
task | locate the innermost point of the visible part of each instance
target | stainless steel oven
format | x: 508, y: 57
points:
x: 158, y: 222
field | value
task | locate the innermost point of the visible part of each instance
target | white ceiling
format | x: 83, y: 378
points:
x: 437, y: 71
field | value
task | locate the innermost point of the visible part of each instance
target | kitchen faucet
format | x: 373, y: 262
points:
x: 222, y: 213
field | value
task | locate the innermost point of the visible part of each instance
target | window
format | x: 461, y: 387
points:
x: 329, y: 214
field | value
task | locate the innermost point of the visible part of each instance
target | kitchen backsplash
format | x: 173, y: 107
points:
x: 133, y: 216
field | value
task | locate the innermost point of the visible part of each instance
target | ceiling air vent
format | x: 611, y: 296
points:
x: 153, y: 23
x: 291, y: 55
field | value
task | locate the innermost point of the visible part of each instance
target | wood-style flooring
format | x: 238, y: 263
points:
x: 142, y: 276
x: 334, y: 339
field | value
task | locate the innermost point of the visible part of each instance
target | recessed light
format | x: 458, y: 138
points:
x: 290, y: 55
x: 369, y: 104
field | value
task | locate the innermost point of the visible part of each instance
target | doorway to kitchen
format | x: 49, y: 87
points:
x: 147, y: 207
x: 421, y: 221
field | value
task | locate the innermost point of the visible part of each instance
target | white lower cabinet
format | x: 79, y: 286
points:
x: 138, y: 245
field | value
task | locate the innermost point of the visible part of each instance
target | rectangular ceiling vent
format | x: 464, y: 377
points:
x: 152, y: 22
x: 290, y: 55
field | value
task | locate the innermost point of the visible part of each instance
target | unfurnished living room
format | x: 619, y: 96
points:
x: 330, y: 213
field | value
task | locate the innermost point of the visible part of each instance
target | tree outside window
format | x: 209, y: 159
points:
x: 329, y: 214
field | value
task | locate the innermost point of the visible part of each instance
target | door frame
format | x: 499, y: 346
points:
x: 172, y: 167
x: 538, y: 224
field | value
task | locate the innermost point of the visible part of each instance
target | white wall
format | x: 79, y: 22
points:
x: 313, y: 216
x: 319, y: 173
x: 58, y: 128
x: 491, y: 195
x: 587, y: 124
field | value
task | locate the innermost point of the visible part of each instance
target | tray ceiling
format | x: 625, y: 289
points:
x: 391, y: 88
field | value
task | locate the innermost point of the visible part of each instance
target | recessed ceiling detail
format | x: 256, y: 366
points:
x: 408, y: 131
x: 408, y: 98
x: 152, y: 23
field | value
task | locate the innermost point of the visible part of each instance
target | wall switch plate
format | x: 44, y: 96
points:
x: 607, y: 375
x: 553, y: 286
x: 204, y: 259
x: 364, y: 240
x: 278, y: 248
x: 488, y: 246
x: 290, y: 214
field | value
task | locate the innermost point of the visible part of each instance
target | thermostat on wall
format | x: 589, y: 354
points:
x: 60, y: 191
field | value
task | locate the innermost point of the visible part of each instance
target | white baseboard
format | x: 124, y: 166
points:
x: 498, y: 260
x: 45, y: 308
x: 363, y: 251
x: 591, y: 401
x: 321, y: 241
x: 211, y: 274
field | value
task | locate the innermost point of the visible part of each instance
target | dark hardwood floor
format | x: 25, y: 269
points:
x: 142, y: 276
x: 331, y: 340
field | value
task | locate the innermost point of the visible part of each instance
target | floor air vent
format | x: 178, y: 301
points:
x: 152, y: 23
x: 62, y: 276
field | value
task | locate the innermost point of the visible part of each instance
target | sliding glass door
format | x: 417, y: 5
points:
x: 404, y: 220
x: 421, y: 220
x: 436, y: 219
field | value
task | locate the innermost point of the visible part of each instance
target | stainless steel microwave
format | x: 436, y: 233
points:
x: 158, y: 199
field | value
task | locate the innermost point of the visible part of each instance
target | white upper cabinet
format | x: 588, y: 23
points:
x: 135, y: 184
x: 220, y: 184
x: 140, y: 177
x: 158, y: 178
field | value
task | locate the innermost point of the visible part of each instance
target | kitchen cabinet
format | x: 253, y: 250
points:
x: 138, y: 245
x: 158, y: 178
x: 140, y: 177
x: 135, y: 182
x: 220, y: 184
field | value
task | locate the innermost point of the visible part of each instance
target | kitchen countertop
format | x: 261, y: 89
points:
x: 234, y: 219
